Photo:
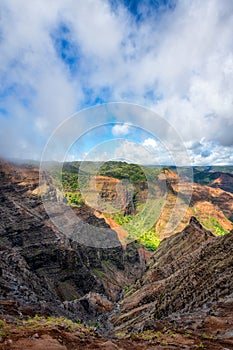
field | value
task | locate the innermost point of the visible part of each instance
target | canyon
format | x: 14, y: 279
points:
x: 56, y: 293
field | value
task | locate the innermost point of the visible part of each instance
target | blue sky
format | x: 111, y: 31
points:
x: 174, y: 57
x: 120, y: 141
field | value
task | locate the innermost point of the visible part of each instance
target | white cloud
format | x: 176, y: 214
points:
x: 179, y: 63
x: 121, y: 129
x: 96, y: 28
x: 134, y: 153
x: 120, y: 149
x: 150, y: 143
x: 163, y: 154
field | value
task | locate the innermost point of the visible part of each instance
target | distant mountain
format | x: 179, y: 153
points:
x: 223, y: 181
x: 210, y: 175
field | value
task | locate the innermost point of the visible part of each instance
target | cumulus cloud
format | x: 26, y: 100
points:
x: 150, y: 143
x: 175, y: 59
x: 134, y: 153
x: 121, y: 129
x: 164, y: 154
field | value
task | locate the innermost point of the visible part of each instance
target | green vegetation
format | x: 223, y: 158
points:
x: 213, y: 225
x: 47, y: 324
x: 51, y: 322
x: 121, y: 219
x: 186, y: 335
x: 206, y: 336
x: 70, y: 182
x: 126, y: 288
x: 171, y: 333
x: 123, y: 170
x: 164, y: 342
x: 141, y: 226
x: 73, y: 178
x: 76, y: 175
x: 99, y: 273
x: 203, y: 178
x: 72, y: 173
x: 4, y: 331
x: 74, y: 198
x: 148, y: 240
x: 2, y: 324
x: 121, y: 335
x: 206, y: 175
x: 4, y: 334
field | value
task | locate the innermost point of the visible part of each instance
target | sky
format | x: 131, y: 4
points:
x: 175, y: 57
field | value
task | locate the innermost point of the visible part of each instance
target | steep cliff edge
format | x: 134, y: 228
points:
x: 183, y: 300
x: 47, y: 272
x: 190, y: 272
x: 212, y: 207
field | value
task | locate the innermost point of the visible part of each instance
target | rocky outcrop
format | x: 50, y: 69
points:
x: 212, y: 206
x: 182, y: 301
x: 192, y: 294
x: 22, y: 291
x: 104, y: 193
x: 190, y: 271
x: 45, y: 266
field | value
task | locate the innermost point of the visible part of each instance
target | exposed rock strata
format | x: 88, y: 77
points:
x: 190, y: 271
x: 45, y: 267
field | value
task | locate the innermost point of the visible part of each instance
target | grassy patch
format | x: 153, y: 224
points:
x: 2, y: 324
x: 136, y: 225
x: 213, y: 225
x: 53, y: 322
x: 74, y: 198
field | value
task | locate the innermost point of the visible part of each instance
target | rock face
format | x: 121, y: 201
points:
x: 107, y: 191
x: 223, y: 181
x: 183, y: 300
x: 210, y: 204
x: 40, y: 268
x: 190, y: 271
